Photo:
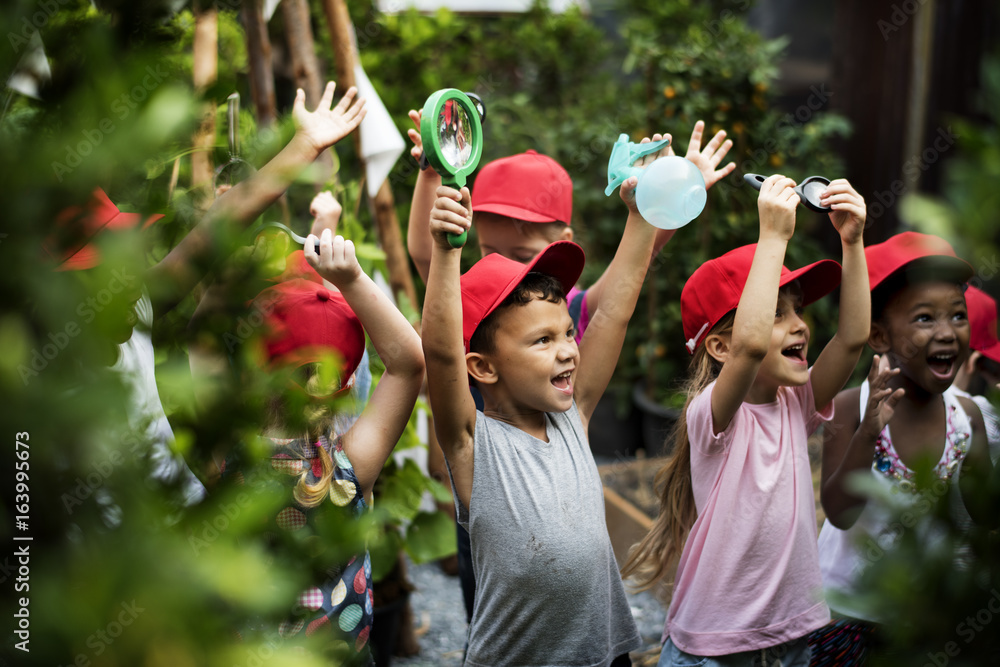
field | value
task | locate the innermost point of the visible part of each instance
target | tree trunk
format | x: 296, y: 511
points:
x: 305, y: 68
x: 259, y: 58
x: 386, y: 222
x: 205, y: 72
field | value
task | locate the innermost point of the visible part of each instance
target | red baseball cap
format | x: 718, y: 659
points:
x: 527, y: 186
x: 305, y: 322
x: 492, y: 278
x: 982, y: 323
x: 913, y: 250
x: 87, y: 223
x: 716, y: 286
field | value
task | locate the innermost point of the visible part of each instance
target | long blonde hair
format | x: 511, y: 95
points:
x: 320, y: 422
x: 651, y: 559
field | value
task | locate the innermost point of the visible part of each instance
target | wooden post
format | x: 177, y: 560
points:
x: 384, y: 207
x: 205, y: 72
x: 305, y: 66
x: 259, y: 58
x: 306, y: 69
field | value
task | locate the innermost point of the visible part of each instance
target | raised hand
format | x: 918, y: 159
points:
x: 848, y: 214
x: 776, y: 204
x: 326, y: 211
x: 627, y: 190
x: 707, y: 159
x: 326, y: 126
x: 882, y: 398
x: 452, y: 214
x: 336, y: 261
x: 417, y: 151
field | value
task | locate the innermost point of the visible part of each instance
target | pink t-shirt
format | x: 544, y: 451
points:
x: 749, y: 576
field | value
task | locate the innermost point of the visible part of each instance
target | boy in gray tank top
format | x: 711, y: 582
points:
x: 526, y: 486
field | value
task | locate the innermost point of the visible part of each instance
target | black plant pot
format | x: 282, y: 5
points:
x: 613, y: 436
x: 657, y: 421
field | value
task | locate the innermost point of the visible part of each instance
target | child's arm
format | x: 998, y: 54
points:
x: 316, y: 131
x: 370, y: 441
x: 836, y: 362
x: 850, y: 442
x: 602, y: 342
x: 325, y: 210
x: 447, y: 375
x: 751, y: 337
x: 418, y: 233
x: 707, y: 160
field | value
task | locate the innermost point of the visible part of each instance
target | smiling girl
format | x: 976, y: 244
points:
x: 905, y: 413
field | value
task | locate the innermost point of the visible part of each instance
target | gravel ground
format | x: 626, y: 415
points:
x: 440, y: 619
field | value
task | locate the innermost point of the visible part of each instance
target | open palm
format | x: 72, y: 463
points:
x: 707, y: 159
x: 326, y: 126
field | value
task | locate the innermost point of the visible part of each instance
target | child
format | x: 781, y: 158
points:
x: 126, y: 328
x: 920, y: 335
x: 738, y: 487
x: 981, y: 372
x: 333, y: 465
x: 520, y: 204
x: 525, y: 482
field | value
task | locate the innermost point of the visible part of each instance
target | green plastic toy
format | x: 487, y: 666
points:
x: 452, y: 134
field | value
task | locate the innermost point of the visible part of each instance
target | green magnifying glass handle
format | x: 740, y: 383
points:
x: 456, y: 240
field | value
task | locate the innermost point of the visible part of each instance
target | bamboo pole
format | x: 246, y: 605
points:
x: 384, y: 207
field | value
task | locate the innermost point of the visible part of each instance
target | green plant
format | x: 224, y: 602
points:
x: 702, y: 61
x: 402, y: 524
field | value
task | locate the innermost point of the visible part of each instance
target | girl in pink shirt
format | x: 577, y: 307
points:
x: 737, y: 502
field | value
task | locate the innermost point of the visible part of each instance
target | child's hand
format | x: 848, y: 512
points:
x: 848, y: 214
x: 776, y: 204
x: 707, y: 160
x: 627, y: 190
x: 417, y: 152
x: 882, y: 398
x: 452, y: 214
x: 326, y: 211
x: 326, y: 126
x: 336, y: 260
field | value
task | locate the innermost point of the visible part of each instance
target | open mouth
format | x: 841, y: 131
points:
x: 796, y: 353
x: 564, y: 382
x: 942, y: 365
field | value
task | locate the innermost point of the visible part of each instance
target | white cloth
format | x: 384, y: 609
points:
x: 991, y: 418
x: 146, y: 417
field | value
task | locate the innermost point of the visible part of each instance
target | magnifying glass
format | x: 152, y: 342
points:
x: 236, y: 169
x: 809, y: 190
x: 452, y: 133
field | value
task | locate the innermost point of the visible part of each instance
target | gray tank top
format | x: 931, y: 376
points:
x: 548, y: 591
